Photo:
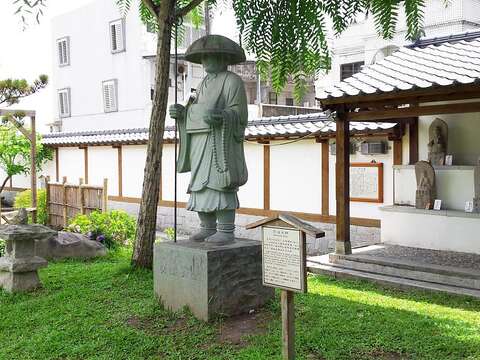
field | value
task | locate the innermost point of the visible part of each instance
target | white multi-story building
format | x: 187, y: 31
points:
x: 104, y: 72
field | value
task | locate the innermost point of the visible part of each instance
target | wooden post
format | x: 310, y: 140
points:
x: 33, y: 167
x: 81, y: 196
x: 120, y: 171
x: 343, y: 245
x: 57, y: 166
x: 65, y: 220
x: 105, y: 195
x: 325, y: 179
x: 413, y: 141
x: 47, y: 198
x: 85, y: 163
x: 397, y: 152
x: 266, y: 177
x: 288, y: 324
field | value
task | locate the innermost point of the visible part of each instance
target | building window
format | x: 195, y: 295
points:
x: 272, y: 98
x: 347, y: 70
x: 289, y: 101
x: 64, y: 108
x: 117, y: 35
x: 63, y: 49
x: 110, y: 95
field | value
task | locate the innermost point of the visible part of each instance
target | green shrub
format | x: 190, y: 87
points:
x: 2, y: 247
x: 112, y: 228
x: 24, y: 200
x: 170, y: 232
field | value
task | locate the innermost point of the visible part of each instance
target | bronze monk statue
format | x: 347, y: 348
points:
x: 211, y: 131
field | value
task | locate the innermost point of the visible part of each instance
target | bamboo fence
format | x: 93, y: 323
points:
x: 65, y: 201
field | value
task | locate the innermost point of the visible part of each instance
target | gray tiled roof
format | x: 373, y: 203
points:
x: 279, y: 126
x: 427, y: 63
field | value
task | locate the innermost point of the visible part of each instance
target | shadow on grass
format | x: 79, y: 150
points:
x: 467, y: 303
x: 338, y: 328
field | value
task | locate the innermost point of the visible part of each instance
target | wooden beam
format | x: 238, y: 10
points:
x: 406, y: 95
x: 414, y: 100
x: 120, y: 170
x: 375, y: 223
x: 413, y: 142
x: 28, y: 113
x: 374, y: 116
x: 57, y: 166
x: 33, y: 166
x: 325, y: 179
x: 343, y: 245
x: 266, y: 177
x: 85, y: 163
x: 397, y: 152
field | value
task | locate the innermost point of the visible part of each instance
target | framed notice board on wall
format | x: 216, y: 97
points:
x: 366, y: 182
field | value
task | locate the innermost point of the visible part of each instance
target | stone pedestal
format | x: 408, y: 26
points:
x: 211, y: 280
x: 19, y: 268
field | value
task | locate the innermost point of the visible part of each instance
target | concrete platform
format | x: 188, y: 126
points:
x: 212, y: 281
x: 405, y: 267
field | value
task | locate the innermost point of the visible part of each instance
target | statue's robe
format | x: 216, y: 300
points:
x: 214, y: 154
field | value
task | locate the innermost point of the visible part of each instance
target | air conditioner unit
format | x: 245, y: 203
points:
x: 333, y: 148
x: 373, y: 148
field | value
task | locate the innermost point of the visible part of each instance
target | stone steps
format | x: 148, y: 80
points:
x: 392, y: 277
x: 445, y: 275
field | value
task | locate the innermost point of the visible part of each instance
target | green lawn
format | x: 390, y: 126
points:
x: 104, y: 310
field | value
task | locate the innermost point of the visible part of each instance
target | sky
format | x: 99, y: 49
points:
x: 28, y: 53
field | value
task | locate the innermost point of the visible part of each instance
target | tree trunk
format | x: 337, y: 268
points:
x: 4, y: 183
x: 147, y: 219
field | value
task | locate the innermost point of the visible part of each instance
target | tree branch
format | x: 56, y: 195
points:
x: 187, y: 8
x: 151, y: 6
x: 4, y: 183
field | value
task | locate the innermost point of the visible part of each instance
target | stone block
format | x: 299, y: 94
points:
x: 18, y: 269
x: 19, y: 282
x: 211, y: 280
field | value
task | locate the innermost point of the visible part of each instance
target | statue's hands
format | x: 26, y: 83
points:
x: 214, y: 117
x: 177, y: 111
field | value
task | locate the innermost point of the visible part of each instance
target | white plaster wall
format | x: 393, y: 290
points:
x: 133, y: 165
x: 103, y: 163
x: 295, y: 173
x: 168, y: 176
x: 49, y: 169
x: 463, y: 137
x: 251, y: 194
x: 72, y: 164
x: 455, y: 186
x: 92, y: 62
x: 360, y: 209
x: 431, y: 231
x: 20, y: 181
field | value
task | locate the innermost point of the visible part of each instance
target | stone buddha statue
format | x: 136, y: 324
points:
x: 211, y: 131
x: 437, y: 146
x: 426, y: 188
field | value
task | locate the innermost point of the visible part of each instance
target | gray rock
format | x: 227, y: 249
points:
x: 211, y: 280
x: 8, y: 198
x: 69, y: 245
x: 21, y: 218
